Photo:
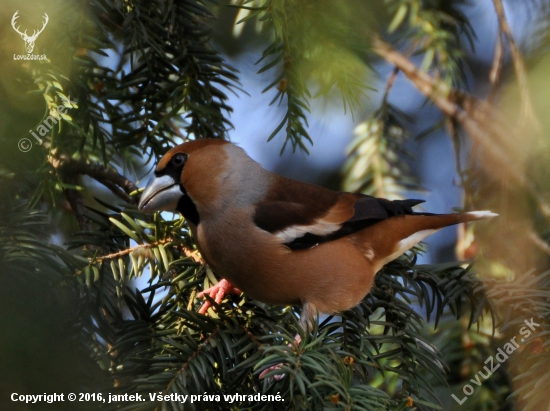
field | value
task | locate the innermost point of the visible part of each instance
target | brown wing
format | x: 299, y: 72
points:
x: 305, y: 215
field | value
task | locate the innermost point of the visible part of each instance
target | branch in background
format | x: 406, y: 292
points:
x: 482, y: 122
x: 68, y: 170
x: 503, y: 160
x: 519, y: 65
x: 541, y: 244
x: 453, y: 132
x: 504, y: 157
x: 496, y: 68
x: 128, y: 251
x: 193, y: 254
x: 74, y: 197
x: 109, y: 177
x: 469, y: 112
x: 389, y: 83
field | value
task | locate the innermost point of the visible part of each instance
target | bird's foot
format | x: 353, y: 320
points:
x: 217, y: 292
x: 279, y: 377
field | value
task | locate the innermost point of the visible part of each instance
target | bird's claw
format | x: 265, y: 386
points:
x: 217, y: 292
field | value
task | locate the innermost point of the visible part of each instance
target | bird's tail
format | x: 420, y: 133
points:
x: 475, y: 215
x: 437, y: 221
x: 392, y: 237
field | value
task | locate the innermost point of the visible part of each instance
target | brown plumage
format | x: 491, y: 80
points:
x: 282, y: 241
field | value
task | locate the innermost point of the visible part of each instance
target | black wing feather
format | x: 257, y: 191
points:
x: 368, y: 211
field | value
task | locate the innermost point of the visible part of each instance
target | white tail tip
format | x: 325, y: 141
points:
x: 482, y: 214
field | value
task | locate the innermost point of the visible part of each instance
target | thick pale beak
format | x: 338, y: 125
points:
x: 162, y: 193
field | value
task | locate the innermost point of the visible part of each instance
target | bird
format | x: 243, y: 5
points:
x: 282, y: 241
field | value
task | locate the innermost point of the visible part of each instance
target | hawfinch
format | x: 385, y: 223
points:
x: 279, y: 240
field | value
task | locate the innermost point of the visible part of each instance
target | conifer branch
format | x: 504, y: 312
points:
x: 468, y: 111
x: 517, y: 59
x: 109, y: 177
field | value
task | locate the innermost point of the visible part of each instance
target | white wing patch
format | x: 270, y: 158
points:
x: 320, y: 228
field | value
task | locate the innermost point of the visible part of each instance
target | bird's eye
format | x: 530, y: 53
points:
x: 179, y: 159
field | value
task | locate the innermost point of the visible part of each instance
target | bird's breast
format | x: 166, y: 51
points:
x: 334, y: 276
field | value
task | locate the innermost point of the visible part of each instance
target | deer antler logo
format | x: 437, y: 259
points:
x: 29, y: 40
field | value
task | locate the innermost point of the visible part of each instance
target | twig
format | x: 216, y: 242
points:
x: 195, y: 255
x: 176, y: 130
x: 109, y: 177
x: 542, y: 245
x: 456, y: 142
x: 127, y: 251
x: 469, y: 113
x: 480, y: 120
x: 391, y: 81
x: 184, y: 367
x: 74, y: 197
x: 496, y: 69
x: 250, y: 335
x: 519, y: 65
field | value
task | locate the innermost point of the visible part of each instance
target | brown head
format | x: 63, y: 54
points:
x: 201, y: 178
x: 186, y: 177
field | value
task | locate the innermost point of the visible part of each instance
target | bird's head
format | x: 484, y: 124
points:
x: 186, y: 177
